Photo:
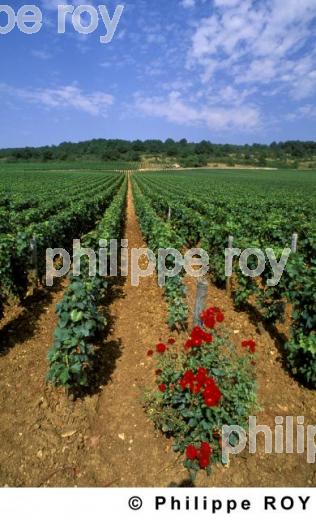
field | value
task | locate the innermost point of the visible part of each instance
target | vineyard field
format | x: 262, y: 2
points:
x: 158, y: 258
x: 50, y: 208
x: 68, y: 166
x: 103, y: 364
x: 260, y: 210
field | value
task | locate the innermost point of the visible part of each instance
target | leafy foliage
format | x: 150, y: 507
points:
x: 186, y: 153
x: 201, y: 388
x: 160, y: 235
x: 52, y: 216
x: 72, y: 354
x: 260, y: 210
x: 301, y: 357
x: 79, y: 322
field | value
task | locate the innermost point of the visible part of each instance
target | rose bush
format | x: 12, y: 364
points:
x: 202, y: 386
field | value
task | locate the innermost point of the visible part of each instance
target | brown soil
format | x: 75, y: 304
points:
x: 279, y: 395
x: 105, y: 439
x: 41, y: 431
x: 126, y: 450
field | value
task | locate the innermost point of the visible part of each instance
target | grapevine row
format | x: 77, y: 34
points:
x: 72, y: 355
x: 198, y: 222
x: 58, y: 232
x: 160, y: 235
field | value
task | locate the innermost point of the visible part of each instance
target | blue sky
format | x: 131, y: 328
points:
x: 232, y: 71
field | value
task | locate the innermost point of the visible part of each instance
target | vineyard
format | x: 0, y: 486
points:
x: 100, y: 379
x: 52, y: 214
x: 207, y: 210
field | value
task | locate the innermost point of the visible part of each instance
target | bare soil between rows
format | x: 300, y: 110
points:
x: 105, y: 439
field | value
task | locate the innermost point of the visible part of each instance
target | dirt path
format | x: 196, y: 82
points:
x: 101, y: 440
x: 126, y: 450
x: 279, y: 395
x: 41, y: 431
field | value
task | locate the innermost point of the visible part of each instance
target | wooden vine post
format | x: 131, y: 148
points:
x: 229, y: 278
x: 201, y: 294
x: 34, y: 261
x: 294, y: 242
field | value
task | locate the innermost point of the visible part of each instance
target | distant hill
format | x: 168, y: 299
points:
x: 289, y: 154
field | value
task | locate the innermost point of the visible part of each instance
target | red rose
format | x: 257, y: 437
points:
x: 162, y: 387
x: 250, y: 344
x: 201, y: 376
x: 197, y: 337
x: 191, y: 387
x: 204, y: 455
x: 212, y: 395
x: 161, y: 348
x: 187, y: 380
x: 197, y: 342
x: 183, y: 384
x: 197, y: 334
x: 188, y: 375
x: 220, y: 317
x: 204, y: 461
x: 210, y: 316
x: 196, y: 388
x: 209, y: 322
x: 191, y: 452
x: 188, y: 344
x: 208, y: 338
x: 206, y: 449
x: 210, y: 382
x: 150, y: 353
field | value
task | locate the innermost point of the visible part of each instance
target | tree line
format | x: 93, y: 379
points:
x: 185, y: 153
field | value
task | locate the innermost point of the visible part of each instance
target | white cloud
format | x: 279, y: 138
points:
x: 187, y: 4
x: 231, y: 95
x: 258, y: 42
x: 304, y: 112
x: 40, y: 54
x: 226, y: 3
x: 308, y: 110
x: 53, y: 4
x: 69, y: 96
x: 217, y: 118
